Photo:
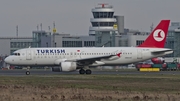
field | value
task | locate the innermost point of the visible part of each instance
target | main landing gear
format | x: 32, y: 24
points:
x: 82, y: 71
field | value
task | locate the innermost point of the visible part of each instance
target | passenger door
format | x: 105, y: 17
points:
x: 28, y: 55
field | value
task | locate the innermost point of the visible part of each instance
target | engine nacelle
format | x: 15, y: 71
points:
x: 158, y: 60
x: 65, y: 67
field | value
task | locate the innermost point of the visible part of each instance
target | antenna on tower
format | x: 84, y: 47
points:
x: 102, y: 4
x: 49, y: 28
x: 54, y: 26
x: 41, y: 26
x: 151, y: 27
x: 17, y: 30
x: 37, y: 27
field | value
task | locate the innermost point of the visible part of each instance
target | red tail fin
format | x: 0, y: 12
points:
x: 157, y: 38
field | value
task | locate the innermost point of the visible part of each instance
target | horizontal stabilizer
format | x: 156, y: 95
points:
x: 161, y: 51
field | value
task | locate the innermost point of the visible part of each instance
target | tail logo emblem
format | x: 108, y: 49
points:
x: 159, y: 35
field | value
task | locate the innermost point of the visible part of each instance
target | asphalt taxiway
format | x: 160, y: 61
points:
x: 96, y: 72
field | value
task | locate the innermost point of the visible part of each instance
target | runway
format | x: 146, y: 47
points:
x: 94, y: 72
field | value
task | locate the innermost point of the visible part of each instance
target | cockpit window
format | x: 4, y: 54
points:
x: 16, y: 54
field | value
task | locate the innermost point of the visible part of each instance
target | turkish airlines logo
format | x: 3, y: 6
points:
x: 159, y: 35
x: 119, y: 54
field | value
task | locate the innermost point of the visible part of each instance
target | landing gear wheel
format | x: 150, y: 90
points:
x: 27, y: 72
x: 88, y: 71
x: 82, y: 71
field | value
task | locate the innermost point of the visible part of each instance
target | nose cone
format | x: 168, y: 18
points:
x: 7, y: 60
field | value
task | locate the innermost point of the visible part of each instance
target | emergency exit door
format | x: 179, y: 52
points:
x: 139, y: 54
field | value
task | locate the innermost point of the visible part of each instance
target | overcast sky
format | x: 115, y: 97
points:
x: 73, y: 16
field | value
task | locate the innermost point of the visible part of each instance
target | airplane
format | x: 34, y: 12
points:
x: 71, y: 59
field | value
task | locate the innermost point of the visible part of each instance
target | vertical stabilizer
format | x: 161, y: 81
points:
x: 157, y: 38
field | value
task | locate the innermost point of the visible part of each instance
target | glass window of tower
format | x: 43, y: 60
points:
x: 111, y: 23
x: 105, y: 14
x: 110, y: 14
x: 100, y: 14
x: 96, y: 24
x: 96, y: 14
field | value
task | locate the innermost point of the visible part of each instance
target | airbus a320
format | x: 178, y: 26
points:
x: 70, y: 59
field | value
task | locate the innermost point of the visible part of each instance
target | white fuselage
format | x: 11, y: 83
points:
x: 49, y: 56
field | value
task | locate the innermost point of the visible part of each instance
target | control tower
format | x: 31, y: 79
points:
x: 103, y: 19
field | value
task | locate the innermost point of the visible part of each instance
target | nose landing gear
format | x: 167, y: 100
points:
x: 28, y: 71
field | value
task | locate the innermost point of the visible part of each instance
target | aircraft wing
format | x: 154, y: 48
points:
x: 91, y: 60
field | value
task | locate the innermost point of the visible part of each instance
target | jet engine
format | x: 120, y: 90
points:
x: 158, y: 60
x: 65, y: 67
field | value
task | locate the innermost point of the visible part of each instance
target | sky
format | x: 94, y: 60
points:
x: 73, y: 16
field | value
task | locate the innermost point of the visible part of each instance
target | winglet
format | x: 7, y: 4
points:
x: 157, y: 38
